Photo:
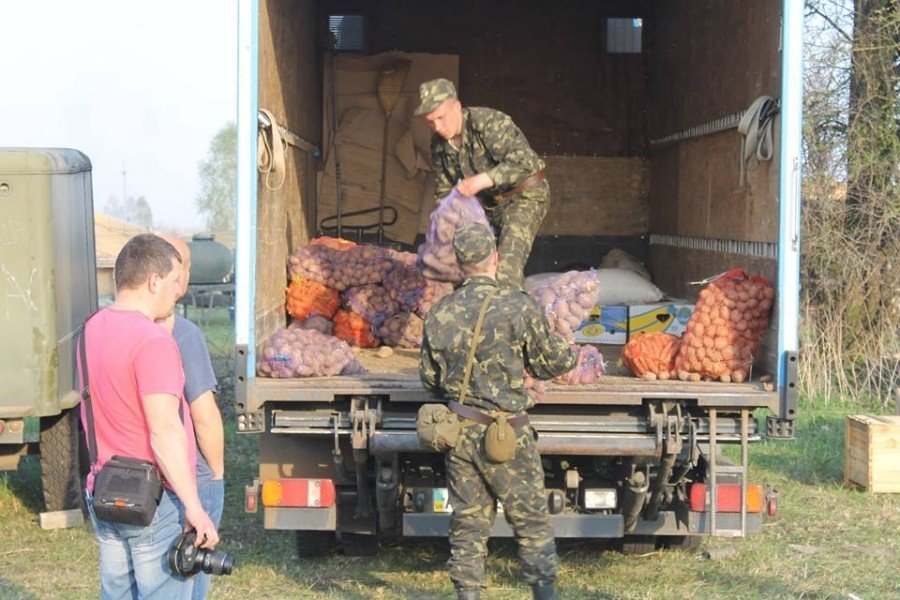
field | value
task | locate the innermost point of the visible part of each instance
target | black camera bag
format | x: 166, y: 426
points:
x: 127, y: 490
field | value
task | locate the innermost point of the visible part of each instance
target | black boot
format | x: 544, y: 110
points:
x: 543, y: 591
x: 468, y: 594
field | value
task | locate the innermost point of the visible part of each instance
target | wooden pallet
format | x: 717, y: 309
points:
x: 872, y: 452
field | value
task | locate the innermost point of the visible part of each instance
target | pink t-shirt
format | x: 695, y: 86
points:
x: 130, y: 356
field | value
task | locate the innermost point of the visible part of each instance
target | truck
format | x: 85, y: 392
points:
x: 48, y: 287
x: 638, y: 110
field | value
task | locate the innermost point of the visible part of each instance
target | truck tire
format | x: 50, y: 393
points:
x: 638, y: 544
x: 682, y: 542
x: 61, y: 472
x: 314, y: 543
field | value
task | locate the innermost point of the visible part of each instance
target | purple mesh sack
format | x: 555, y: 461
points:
x: 340, y: 269
x: 314, y: 323
x: 372, y: 302
x: 437, y: 259
x: 431, y: 295
x: 405, y: 285
x: 589, y: 369
x: 404, y: 330
x: 567, y: 300
x: 305, y: 353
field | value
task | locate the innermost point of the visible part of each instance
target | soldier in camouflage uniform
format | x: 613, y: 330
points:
x: 482, y: 153
x: 514, y: 334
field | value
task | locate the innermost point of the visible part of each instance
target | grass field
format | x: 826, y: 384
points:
x: 830, y: 541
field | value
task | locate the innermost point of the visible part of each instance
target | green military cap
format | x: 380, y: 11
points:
x: 433, y: 93
x: 473, y: 243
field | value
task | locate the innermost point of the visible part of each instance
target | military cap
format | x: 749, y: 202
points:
x: 433, y: 93
x: 473, y: 243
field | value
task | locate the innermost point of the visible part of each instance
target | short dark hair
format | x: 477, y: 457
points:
x: 141, y: 256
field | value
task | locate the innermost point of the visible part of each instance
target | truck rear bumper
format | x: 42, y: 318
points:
x: 588, y: 526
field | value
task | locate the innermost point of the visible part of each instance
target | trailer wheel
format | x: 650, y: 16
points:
x: 359, y: 544
x: 638, y: 544
x: 61, y: 473
x: 682, y: 542
x: 314, y: 543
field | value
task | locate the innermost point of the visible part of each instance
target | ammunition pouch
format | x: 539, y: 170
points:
x: 437, y: 427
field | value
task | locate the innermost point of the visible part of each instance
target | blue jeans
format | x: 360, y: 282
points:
x: 212, y: 497
x: 133, y: 558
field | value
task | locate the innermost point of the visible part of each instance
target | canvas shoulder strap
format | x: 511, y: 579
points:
x: 475, y: 334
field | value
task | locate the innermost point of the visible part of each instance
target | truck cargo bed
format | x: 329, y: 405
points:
x: 397, y: 376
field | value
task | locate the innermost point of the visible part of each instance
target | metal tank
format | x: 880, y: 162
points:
x: 211, y: 262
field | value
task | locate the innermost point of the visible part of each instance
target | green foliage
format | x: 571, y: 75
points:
x: 134, y: 210
x: 218, y: 176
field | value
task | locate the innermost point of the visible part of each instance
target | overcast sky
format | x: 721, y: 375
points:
x: 146, y: 84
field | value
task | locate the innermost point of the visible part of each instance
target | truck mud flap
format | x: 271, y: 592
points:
x: 565, y: 526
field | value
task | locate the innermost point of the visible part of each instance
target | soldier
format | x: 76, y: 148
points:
x: 514, y: 332
x: 482, y: 153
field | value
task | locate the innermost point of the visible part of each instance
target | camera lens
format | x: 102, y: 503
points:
x: 216, y: 563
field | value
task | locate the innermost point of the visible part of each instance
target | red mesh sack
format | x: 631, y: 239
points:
x: 306, y: 298
x: 726, y: 328
x: 651, y: 355
x: 353, y: 329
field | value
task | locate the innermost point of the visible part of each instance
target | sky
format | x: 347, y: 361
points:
x: 144, y: 84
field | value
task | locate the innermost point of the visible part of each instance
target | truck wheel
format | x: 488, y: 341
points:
x: 359, y: 544
x: 314, y: 543
x: 61, y: 474
x: 638, y: 544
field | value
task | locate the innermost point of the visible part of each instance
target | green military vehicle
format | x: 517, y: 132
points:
x: 48, y: 287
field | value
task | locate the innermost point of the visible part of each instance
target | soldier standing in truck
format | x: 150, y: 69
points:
x: 482, y: 384
x: 482, y: 153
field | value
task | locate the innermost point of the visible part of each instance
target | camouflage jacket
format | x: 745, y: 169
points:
x: 515, y: 334
x: 491, y: 143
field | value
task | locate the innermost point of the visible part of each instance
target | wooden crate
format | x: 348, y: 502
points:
x: 872, y: 452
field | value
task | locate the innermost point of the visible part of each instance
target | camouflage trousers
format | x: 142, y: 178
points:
x: 474, y: 483
x: 516, y: 223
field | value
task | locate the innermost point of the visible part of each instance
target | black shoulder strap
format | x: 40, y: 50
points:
x: 86, y: 396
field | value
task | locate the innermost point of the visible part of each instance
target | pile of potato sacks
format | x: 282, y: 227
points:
x: 342, y: 295
x: 722, y: 337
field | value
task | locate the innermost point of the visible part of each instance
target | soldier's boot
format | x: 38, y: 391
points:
x: 462, y: 594
x: 543, y: 591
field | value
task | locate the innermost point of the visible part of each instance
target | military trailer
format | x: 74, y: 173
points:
x: 635, y: 107
x: 48, y: 287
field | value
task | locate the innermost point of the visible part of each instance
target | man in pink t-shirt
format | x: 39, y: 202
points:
x: 136, y: 384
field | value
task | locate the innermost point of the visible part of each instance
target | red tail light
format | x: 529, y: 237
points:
x: 299, y: 493
x: 728, y: 498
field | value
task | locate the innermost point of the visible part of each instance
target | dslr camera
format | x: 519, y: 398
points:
x: 187, y: 560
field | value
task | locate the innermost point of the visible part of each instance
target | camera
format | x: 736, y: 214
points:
x: 187, y: 560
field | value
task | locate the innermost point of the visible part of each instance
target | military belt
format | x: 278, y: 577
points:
x: 473, y: 414
x: 529, y: 182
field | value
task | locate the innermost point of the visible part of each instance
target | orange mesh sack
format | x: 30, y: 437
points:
x: 651, y: 355
x: 726, y: 328
x: 333, y: 243
x: 306, y: 297
x: 354, y: 329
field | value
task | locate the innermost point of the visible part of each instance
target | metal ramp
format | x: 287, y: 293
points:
x: 716, y: 471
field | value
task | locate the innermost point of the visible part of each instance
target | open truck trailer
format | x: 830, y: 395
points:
x: 634, y: 106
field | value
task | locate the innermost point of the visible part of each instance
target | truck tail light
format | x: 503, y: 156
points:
x: 299, y: 493
x: 728, y: 498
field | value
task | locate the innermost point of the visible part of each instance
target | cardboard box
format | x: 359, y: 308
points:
x: 670, y: 316
x: 872, y: 452
x: 605, y: 325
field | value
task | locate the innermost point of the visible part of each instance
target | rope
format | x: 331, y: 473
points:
x: 270, y: 153
x: 756, y: 134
